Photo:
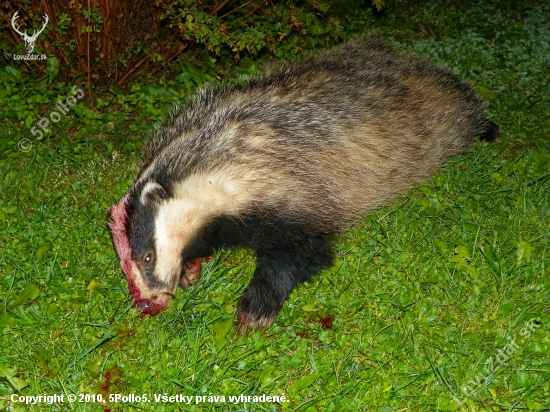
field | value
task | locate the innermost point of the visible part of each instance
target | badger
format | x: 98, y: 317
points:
x: 283, y: 162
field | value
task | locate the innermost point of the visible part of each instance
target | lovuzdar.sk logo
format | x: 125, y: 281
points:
x: 29, y: 40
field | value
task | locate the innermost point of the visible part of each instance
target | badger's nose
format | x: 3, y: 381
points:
x: 147, y: 307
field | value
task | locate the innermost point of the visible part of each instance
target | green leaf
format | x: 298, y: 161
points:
x: 82, y: 132
x: 318, y: 28
x: 221, y: 329
x: 9, y: 374
x: 11, y: 210
x: 10, y: 177
x: 524, y: 252
x: 471, y: 227
x: 52, y: 68
x: 301, y: 384
x: 533, y: 405
x: 187, y: 80
x: 266, y: 375
x: 13, y: 72
x: 51, y: 309
x: 6, y: 321
x: 190, y: 76
x: 153, y: 90
x: 462, y: 257
x: 5, y: 371
x: 443, y: 248
x: 117, y: 91
x: 41, y: 252
x: 16, y: 382
x: 42, y: 85
x: 186, y: 66
x: 167, y: 109
x: 29, y: 293
x: 506, y: 308
x: 472, y: 271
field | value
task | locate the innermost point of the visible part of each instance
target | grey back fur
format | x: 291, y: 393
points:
x: 333, y: 136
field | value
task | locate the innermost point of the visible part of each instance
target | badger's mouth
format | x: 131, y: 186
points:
x: 151, y: 306
x: 148, y: 308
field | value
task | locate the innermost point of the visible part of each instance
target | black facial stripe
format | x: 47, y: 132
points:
x: 141, y: 231
x: 128, y: 226
x: 153, y: 282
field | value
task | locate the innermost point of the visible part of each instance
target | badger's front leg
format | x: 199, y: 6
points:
x: 277, y: 273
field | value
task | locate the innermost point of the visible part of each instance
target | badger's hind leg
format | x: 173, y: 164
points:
x: 287, y: 255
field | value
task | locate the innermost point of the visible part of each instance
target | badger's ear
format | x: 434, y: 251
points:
x: 153, y: 191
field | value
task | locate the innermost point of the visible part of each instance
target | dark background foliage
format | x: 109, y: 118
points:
x: 114, y: 41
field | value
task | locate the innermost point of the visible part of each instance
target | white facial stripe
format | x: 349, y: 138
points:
x: 196, y: 200
x: 149, y: 186
x: 169, y: 241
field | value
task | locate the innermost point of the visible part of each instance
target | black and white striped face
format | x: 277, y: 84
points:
x: 144, y: 226
x: 158, y: 234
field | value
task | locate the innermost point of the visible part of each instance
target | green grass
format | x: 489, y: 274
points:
x: 424, y: 295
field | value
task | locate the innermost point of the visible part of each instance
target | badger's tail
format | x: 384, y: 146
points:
x: 491, y: 132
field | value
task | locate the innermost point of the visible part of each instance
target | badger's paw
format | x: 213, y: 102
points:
x: 191, y: 273
x: 253, y: 315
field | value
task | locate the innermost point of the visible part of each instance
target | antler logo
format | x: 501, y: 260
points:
x: 29, y: 40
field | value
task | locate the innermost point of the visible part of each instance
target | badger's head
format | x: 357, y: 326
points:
x: 144, y: 228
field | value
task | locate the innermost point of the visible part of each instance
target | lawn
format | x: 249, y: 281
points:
x: 439, y: 301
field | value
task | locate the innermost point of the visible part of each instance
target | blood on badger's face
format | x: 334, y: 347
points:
x: 148, y: 249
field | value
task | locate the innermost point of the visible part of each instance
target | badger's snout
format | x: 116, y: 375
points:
x: 147, y: 307
x: 150, y: 302
x: 156, y: 303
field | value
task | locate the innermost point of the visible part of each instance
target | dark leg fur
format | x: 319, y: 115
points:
x: 288, y: 253
x: 272, y: 283
x: 491, y: 133
x: 278, y: 272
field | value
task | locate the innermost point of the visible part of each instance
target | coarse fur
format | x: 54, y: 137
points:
x: 282, y: 163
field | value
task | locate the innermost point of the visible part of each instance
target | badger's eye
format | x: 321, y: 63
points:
x: 148, y: 258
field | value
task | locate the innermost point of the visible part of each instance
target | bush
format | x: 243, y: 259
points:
x: 114, y: 41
